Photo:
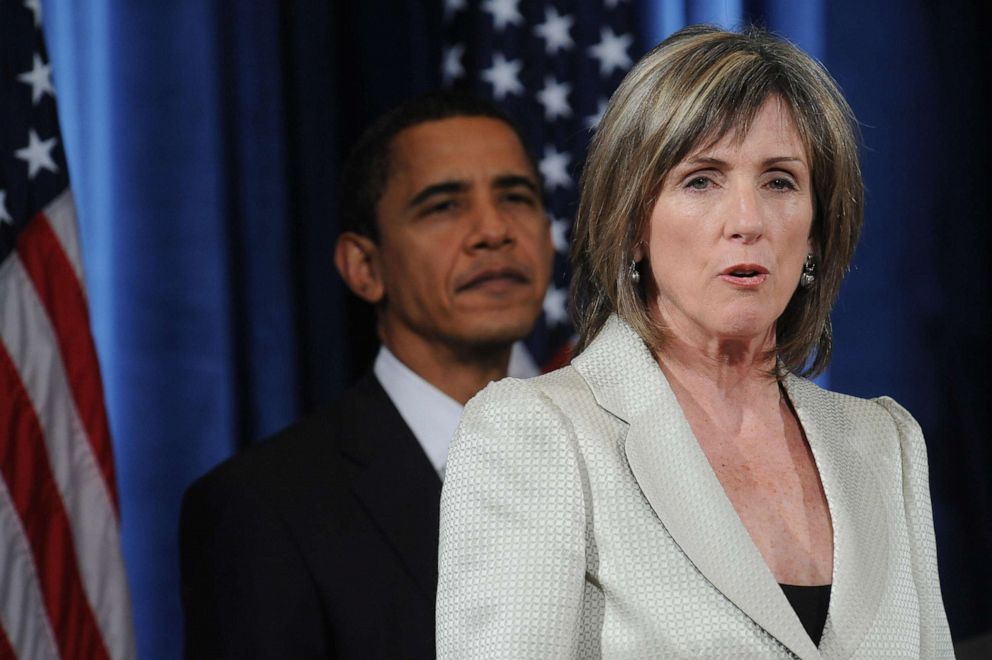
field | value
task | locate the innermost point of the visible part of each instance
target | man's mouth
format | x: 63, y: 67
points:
x: 494, y: 278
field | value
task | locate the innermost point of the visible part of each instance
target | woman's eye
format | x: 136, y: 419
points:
x: 781, y: 183
x: 698, y: 183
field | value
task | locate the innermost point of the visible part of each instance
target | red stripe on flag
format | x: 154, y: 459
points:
x: 6, y: 650
x: 61, y: 294
x: 26, y: 470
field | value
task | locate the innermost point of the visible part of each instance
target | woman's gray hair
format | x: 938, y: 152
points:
x: 695, y: 87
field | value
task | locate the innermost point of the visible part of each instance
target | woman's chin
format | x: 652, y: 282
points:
x: 747, y: 328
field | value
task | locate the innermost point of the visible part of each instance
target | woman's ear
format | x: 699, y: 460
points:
x: 638, y: 253
x: 357, y: 259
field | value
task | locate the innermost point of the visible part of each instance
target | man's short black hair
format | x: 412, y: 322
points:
x: 367, y: 168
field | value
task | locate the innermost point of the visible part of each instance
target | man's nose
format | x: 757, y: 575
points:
x: 491, y: 227
x: 744, y: 221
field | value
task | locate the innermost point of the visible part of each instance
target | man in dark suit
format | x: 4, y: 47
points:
x: 322, y: 541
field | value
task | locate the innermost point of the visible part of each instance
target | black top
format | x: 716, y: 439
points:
x: 810, y: 604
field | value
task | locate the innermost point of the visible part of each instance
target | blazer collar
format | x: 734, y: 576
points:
x: 673, y: 473
x: 861, y: 521
x: 398, y: 486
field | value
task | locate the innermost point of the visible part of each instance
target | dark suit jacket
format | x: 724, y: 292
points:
x: 319, y: 542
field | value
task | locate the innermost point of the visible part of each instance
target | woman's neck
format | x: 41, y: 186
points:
x: 720, y: 374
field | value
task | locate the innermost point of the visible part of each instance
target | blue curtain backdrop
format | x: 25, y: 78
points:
x: 204, y: 142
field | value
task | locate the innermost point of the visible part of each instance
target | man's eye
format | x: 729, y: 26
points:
x: 442, y: 206
x: 520, y: 198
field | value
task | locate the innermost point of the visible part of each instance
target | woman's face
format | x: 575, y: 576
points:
x: 729, y: 233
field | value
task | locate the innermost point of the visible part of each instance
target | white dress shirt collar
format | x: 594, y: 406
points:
x: 431, y: 414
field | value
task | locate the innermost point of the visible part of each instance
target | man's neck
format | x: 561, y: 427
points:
x: 459, y: 372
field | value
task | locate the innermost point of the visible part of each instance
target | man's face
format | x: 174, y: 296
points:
x: 464, y: 250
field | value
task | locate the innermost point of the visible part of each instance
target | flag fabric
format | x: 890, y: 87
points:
x: 552, y: 66
x: 63, y: 591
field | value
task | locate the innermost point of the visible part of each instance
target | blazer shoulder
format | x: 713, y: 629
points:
x: 302, y: 443
x: 520, y: 421
x: 502, y: 395
x: 873, y: 424
x: 902, y: 418
x: 912, y: 445
x: 310, y: 453
x: 556, y: 386
x: 881, y: 419
x: 554, y: 393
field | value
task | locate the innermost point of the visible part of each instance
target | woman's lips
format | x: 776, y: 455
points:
x: 745, y: 282
x: 745, y: 276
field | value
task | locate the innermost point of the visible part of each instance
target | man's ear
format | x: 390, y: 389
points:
x: 357, y: 259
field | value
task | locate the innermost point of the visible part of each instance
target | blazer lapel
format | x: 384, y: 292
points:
x: 398, y: 487
x: 858, y: 513
x: 673, y: 473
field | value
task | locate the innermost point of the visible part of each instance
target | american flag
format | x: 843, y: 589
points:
x: 552, y: 67
x: 63, y: 591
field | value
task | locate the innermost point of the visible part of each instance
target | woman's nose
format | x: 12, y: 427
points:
x: 744, y: 221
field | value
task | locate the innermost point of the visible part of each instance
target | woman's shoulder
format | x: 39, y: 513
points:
x: 880, y: 421
x: 913, y: 447
x: 527, y: 415
x: 559, y: 390
x: 515, y: 427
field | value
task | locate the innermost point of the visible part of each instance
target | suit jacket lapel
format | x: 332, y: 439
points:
x: 673, y: 473
x: 861, y: 522
x: 398, y: 487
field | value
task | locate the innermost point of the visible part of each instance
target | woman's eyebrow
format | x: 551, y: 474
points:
x: 703, y: 160
x: 711, y: 160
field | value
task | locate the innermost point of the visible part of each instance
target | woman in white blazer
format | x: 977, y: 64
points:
x: 681, y: 490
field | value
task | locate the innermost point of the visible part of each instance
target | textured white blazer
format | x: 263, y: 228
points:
x: 580, y: 518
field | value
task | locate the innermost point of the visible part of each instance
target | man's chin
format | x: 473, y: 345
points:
x: 494, y: 333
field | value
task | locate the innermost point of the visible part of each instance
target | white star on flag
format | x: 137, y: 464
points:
x: 555, y: 309
x: 504, y: 12
x: 611, y: 51
x: 554, y: 168
x: 502, y: 75
x: 592, y: 121
x: 559, y: 234
x: 40, y: 79
x: 554, y: 98
x: 38, y: 154
x: 554, y: 31
x: 4, y: 214
x: 552, y: 66
x: 452, y: 68
x: 451, y: 7
x: 35, y: 7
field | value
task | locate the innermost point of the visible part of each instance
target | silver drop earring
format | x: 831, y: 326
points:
x: 808, y: 277
x: 635, y: 275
